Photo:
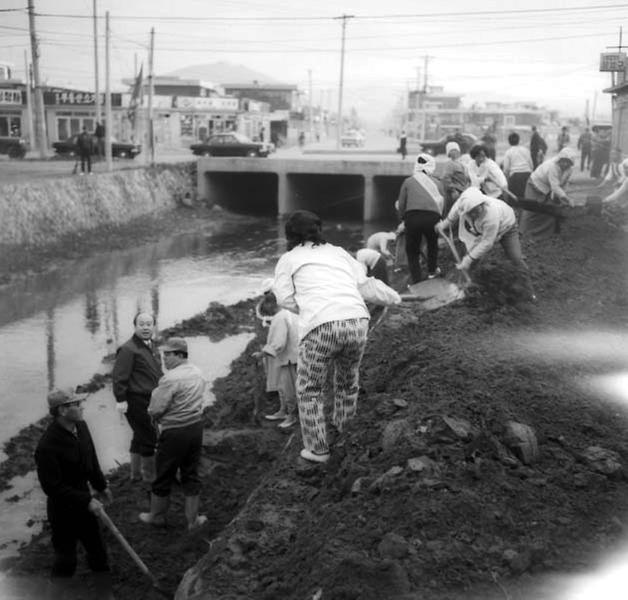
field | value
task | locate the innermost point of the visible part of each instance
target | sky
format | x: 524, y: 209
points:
x: 544, y: 51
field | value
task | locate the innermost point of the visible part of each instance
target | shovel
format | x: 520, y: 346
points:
x: 448, y: 237
x: 104, y: 517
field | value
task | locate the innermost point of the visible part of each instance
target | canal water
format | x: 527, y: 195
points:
x: 56, y: 328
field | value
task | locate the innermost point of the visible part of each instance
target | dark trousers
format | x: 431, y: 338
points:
x: 585, y: 157
x: 517, y: 184
x: 86, y: 157
x: 144, y: 437
x: 379, y: 270
x: 179, y: 448
x: 421, y: 223
x: 68, y: 528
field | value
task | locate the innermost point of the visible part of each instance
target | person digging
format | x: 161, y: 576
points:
x: 483, y: 221
x: 176, y: 406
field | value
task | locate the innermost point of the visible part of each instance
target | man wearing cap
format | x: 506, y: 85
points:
x: 176, y: 406
x: 483, y: 221
x: 66, y: 462
x: 135, y: 375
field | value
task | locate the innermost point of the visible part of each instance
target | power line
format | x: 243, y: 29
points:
x: 464, y: 14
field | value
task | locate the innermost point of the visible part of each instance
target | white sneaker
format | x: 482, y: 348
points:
x: 434, y: 274
x: 313, y: 457
x: 278, y: 416
x: 288, y: 422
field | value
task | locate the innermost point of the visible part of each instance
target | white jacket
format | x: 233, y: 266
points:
x: 480, y: 235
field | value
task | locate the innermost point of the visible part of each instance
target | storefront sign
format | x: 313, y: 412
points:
x: 196, y: 103
x: 613, y: 61
x: 10, y: 97
x: 68, y: 97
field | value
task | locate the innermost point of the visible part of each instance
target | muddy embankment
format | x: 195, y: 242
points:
x: 427, y: 494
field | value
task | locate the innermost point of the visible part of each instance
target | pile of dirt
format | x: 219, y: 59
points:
x: 426, y: 494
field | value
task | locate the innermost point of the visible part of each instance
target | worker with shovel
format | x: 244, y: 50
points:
x: 66, y: 465
x: 483, y: 221
x: 546, y: 198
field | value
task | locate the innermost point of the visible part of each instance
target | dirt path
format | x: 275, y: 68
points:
x: 412, y: 504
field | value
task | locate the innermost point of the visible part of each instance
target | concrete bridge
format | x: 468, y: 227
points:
x: 333, y: 187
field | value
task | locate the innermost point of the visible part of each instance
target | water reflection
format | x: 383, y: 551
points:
x: 60, y: 324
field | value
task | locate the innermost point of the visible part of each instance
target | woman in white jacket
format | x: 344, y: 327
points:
x: 322, y: 284
x: 483, y: 221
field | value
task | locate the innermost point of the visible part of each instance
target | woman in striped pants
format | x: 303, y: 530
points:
x: 319, y: 281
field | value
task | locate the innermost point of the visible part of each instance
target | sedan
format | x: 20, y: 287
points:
x: 231, y: 144
x: 464, y: 140
x: 69, y: 147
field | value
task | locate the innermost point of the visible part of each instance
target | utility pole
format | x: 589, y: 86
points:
x: 40, y: 117
x: 108, y: 119
x: 151, y: 132
x: 342, y: 73
x: 426, y: 60
x: 29, y: 102
x: 309, y: 74
x: 97, y: 87
x: 418, y: 103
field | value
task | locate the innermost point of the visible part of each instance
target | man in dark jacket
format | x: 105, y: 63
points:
x: 136, y: 373
x: 85, y: 147
x: 538, y: 147
x: 66, y: 461
x: 99, y: 132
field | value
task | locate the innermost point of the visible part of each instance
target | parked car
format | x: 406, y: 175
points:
x: 231, y: 144
x: 69, y: 147
x: 15, y: 147
x: 435, y: 147
x: 353, y: 138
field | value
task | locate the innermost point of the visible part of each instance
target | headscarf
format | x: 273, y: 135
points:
x: 422, y: 172
x: 449, y: 146
x: 424, y: 163
x: 568, y: 154
x: 471, y: 198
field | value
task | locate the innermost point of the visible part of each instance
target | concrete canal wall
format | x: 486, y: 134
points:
x: 46, y: 210
x: 333, y: 187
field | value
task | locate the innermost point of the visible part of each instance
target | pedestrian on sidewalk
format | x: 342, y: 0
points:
x: 176, y: 407
x: 99, y: 132
x: 67, y: 465
x: 483, y: 221
x: 403, y: 145
x: 517, y: 166
x: 280, y: 355
x: 420, y: 204
x: 322, y: 284
x: 135, y: 375
x: 563, y: 138
x: 538, y: 148
x: 585, y: 145
x: 85, y: 144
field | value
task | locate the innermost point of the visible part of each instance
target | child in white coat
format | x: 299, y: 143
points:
x: 280, y: 355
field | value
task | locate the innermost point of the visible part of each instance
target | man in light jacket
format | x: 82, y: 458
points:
x: 483, y: 221
x: 176, y: 406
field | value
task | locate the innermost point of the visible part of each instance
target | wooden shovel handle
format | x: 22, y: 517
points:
x: 449, y: 238
x: 104, y: 517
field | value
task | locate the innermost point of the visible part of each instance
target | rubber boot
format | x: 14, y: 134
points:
x: 136, y: 468
x: 148, y: 468
x: 158, y: 509
x: 191, y: 513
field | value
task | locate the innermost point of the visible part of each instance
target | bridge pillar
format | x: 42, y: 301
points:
x: 370, y: 199
x: 206, y: 191
x: 285, y: 195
